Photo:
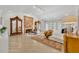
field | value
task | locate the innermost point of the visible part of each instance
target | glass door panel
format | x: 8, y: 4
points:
x: 19, y: 26
x: 14, y: 26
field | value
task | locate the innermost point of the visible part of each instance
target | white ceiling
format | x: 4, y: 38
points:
x: 45, y: 12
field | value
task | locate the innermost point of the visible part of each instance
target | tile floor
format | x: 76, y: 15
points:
x: 24, y: 44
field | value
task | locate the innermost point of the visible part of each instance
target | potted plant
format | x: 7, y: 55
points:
x: 2, y: 29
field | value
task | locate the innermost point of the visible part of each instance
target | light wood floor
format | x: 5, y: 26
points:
x: 24, y: 44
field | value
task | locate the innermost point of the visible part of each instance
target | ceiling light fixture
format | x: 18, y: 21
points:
x: 38, y: 8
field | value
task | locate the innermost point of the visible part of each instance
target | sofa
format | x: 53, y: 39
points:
x: 57, y: 36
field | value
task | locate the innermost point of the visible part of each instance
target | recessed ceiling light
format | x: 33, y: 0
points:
x: 38, y: 8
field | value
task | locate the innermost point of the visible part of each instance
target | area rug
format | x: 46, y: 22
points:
x: 48, y: 42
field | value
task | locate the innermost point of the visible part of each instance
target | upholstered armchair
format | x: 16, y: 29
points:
x: 71, y: 44
x: 48, y: 33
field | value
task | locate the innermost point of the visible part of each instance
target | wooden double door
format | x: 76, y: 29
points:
x: 15, y: 26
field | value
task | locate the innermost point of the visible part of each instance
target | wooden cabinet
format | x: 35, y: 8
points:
x: 71, y: 43
x: 28, y: 23
x: 15, y: 26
